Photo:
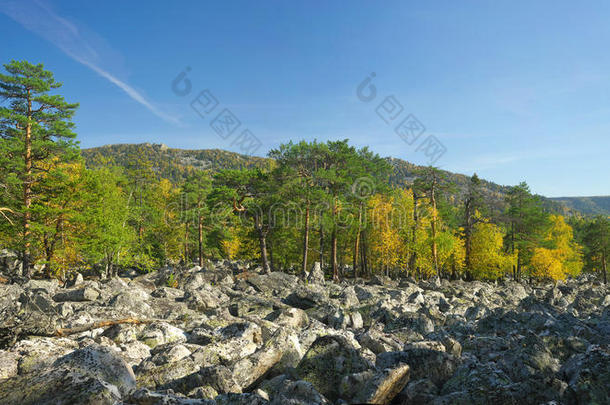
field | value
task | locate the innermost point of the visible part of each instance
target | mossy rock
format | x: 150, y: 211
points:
x: 328, y: 360
x: 158, y: 376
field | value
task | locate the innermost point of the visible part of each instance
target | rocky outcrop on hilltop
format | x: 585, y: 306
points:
x: 226, y: 334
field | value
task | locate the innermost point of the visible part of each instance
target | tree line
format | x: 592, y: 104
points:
x: 328, y: 202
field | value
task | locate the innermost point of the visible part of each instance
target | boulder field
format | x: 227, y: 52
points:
x: 226, y: 334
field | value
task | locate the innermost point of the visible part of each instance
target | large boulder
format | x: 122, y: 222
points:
x: 284, y: 390
x: 77, y: 294
x: 425, y: 362
x: 37, y: 353
x: 307, y: 297
x: 328, y: 360
x: 93, y: 375
x: 158, y: 333
x: 276, y: 283
x: 378, y: 388
x: 316, y: 275
x: 9, y: 364
x: 283, y: 348
x: 588, y: 376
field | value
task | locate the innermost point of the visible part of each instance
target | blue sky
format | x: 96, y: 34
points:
x: 514, y: 90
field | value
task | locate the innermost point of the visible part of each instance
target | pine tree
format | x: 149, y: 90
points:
x: 472, y: 203
x: 34, y: 127
x: 527, y: 224
x: 194, y: 193
x: 297, y: 172
x: 597, y: 242
x: 431, y: 183
x: 249, y: 193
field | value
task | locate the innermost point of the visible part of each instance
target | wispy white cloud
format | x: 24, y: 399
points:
x: 495, y: 160
x: 80, y: 44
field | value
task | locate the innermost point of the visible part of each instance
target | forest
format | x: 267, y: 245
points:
x: 326, y: 202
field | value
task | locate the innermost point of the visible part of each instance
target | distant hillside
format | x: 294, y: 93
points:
x: 175, y: 164
x: 170, y: 163
x: 587, y: 205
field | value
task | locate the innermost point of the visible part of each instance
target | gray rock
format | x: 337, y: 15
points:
x: 419, y: 392
x: 588, y: 376
x: 349, y: 298
x: 356, y: 321
x: 159, y: 333
x: 144, y: 396
x: 284, y: 391
x: 77, y: 295
x: 306, y: 297
x: 39, y: 353
x: 328, y: 360
x: 383, y: 386
x: 436, y: 365
x: 204, y: 299
x: 316, y: 275
x: 93, y: 375
x: 281, y: 340
x: 8, y: 364
x: 218, y: 377
x: 379, y: 342
x: 289, y: 317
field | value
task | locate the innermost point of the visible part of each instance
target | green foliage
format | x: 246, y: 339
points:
x: 597, y: 245
x: 107, y: 237
x: 171, y: 281
x: 527, y: 224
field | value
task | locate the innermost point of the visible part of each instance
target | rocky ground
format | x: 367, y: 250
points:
x: 228, y: 335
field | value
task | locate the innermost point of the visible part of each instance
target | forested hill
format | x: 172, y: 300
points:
x: 170, y: 163
x: 175, y: 164
x: 599, y: 205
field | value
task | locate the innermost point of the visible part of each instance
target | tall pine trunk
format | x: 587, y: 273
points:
x: 357, y: 241
x: 604, y: 268
x: 305, y: 238
x: 270, y: 253
x: 27, y: 189
x: 262, y: 240
x: 365, y: 260
x: 48, y: 249
x: 413, y: 257
x: 519, y: 266
x: 512, y: 244
x: 186, y: 242
x: 334, y: 243
x: 200, y: 236
x: 433, y: 229
x: 321, y: 244
x: 468, y: 240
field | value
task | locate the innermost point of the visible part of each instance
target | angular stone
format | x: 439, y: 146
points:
x: 77, y: 295
x: 384, y: 386
x: 93, y: 375
x: 327, y: 361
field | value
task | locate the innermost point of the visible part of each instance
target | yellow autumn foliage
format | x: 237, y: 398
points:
x: 545, y: 265
x: 384, y: 236
x: 487, y: 258
x: 231, y: 247
x: 562, y: 256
